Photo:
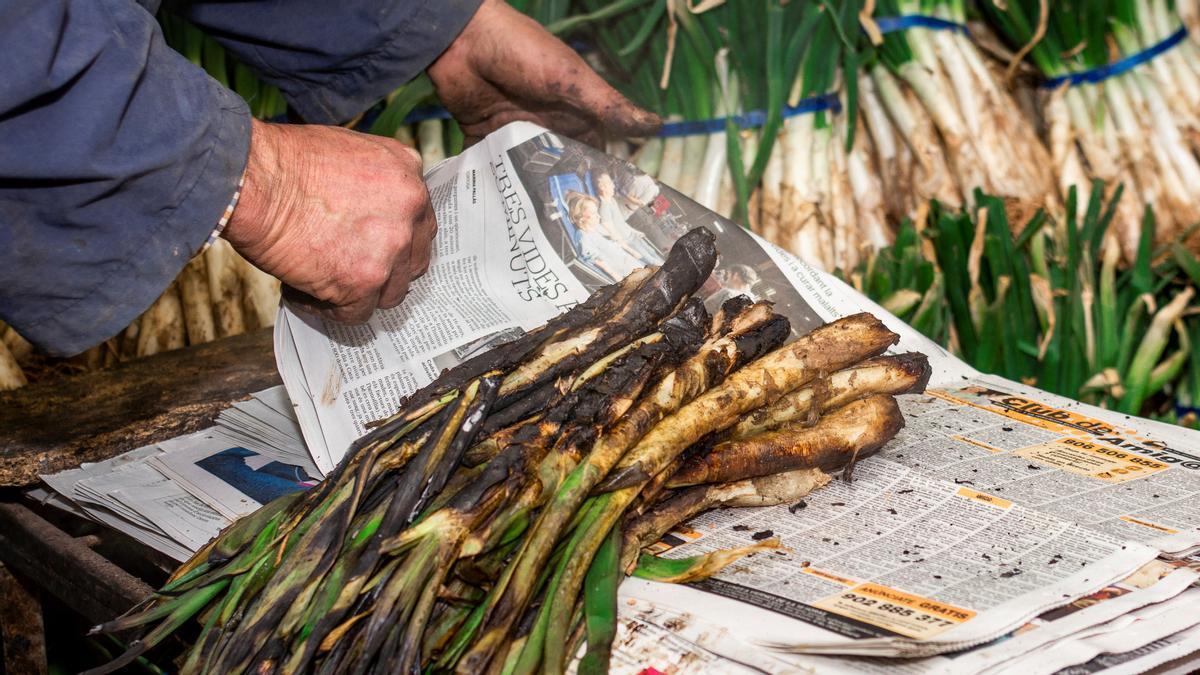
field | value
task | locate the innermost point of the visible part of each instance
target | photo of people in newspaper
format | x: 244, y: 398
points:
x: 605, y: 218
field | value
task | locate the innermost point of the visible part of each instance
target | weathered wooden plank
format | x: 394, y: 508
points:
x: 48, y: 427
x: 65, y: 567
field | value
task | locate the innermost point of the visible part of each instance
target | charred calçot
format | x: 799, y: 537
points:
x: 456, y: 535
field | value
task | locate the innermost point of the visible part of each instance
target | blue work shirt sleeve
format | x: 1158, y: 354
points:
x: 117, y: 159
x: 332, y: 60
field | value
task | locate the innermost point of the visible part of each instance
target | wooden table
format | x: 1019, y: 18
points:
x: 52, y: 426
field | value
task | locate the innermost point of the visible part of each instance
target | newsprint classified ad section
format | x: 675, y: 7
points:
x: 1002, y: 522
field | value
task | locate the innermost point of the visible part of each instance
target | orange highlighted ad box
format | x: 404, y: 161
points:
x: 1086, y: 458
x: 898, y: 611
x: 991, y: 500
x: 1160, y: 528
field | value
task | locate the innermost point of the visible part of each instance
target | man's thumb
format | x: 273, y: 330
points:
x: 618, y: 115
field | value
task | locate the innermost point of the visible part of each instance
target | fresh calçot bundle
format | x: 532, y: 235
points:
x: 1121, y: 105
x: 460, y: 533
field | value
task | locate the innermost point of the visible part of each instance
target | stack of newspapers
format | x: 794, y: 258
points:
x: 176, y: 495
x: 1004, y: 530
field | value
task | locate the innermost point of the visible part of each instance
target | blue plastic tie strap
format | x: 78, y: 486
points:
x: 894, y: 24
x: 430, y: 112
x: 1119, y: 67
x: 750, y: 120
x: 1181, y: 410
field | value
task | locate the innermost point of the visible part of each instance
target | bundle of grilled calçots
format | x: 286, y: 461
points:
x: 486, y: 526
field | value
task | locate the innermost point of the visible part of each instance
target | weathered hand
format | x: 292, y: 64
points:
x: 342, y: 218
x: 504, y: 67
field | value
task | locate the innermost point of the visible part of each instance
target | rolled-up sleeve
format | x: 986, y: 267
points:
x: 117, y: 159
x: 332, y: 60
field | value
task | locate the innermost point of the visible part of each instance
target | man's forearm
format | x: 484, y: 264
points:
x: 332, y: 60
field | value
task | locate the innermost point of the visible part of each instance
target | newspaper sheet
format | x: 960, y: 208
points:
x: 1135, y: 631
x: 643, y: 647
x: 266, y: 424
x: 985, y: 501
x: 103, y: 509
x: 1153, y: 583
x: 233, y: 480
x: 1156, y: 656
x: 177, y: 495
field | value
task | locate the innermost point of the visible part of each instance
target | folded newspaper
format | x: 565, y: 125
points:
x: 1003, y: 526
x: 176, y: 495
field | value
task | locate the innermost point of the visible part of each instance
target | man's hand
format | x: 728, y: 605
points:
x: 342, y: 218
x: 505, y: 67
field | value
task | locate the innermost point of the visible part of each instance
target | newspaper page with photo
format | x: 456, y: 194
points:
x: 996, y: 504
x: 491, y: 276
x: 176, y: 495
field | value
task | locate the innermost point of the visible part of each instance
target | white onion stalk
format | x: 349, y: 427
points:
x: 20, y: 348
x: 903, y: 181
x: 1172, y: 68
x: 819, y: 213
x: 129, y: 339
x: 1170, y: 147
x: 1094, y: 131
x: 1010, y: 133
x: 1063, y: 151
x: 868, y: 191
x: 260, y: 295
x: 938, y: 94
x: 973, y: 102
x: 648, y: 158
x: 695, y: 147
x: 892, y: 173
x: 798, y: 224
x: 747, y: 139
x: 671, y: 166
x: 1168, y: 138
x: 1134, y: 142
x: 708, y: 180
x: 771, y: 200
x: 162, y: 325
x: 937, y: 100
x: 796, y: 143
x: 939, y: 47
x: 1189, y: 13
x: 1096, y: 137
x: 430, y: 142
x: 404, y: 134
x: 197, y: 302
x: 617, y: 147
x: 1169, y: 89
x: 1189, y: 56
x: 11, y: 375
x: 932, y: 177
x: 843, y: 217
x: 726, y: 197
x: 225, y: 285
